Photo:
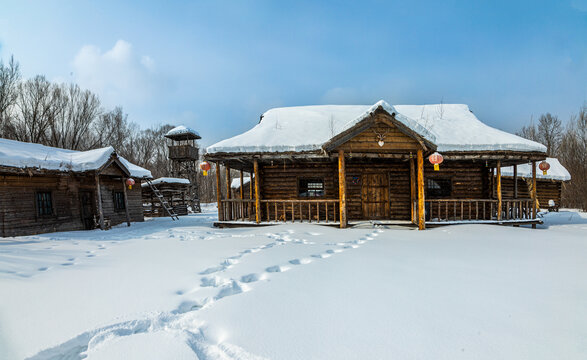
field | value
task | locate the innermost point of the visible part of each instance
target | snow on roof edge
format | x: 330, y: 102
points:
x: 556, y: 172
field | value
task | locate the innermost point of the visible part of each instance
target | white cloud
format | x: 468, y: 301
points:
x: 119, y: 76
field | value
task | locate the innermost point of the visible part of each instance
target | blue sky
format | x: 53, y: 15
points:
x: 217, y: 65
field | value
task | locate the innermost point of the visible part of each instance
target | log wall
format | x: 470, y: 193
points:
x: 547, y: 190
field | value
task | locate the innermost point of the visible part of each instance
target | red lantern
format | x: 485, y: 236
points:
x: 436, y: 159
x: 205, y: 166
x: 544, y: 166
x: 130, y: 182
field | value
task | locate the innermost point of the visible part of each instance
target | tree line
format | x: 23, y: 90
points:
x: 568, y: 143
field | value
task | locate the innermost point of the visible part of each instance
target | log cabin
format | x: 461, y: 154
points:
x: 175, y: 191
x: 347, y: 164
x: 549, y: 185
x: 46, y: 189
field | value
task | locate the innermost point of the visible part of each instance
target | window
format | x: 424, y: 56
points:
x: 311, y: 187
x: 44, y: 203
x: 438, y: 187
x: 119, y: 200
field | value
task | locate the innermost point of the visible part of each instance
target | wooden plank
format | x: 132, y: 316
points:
x: 342, y: 189
x: 228, y: 191
x: 413, y: 190
x: 498, y: 180
x: 257, y: 192
x: 99, y: 194
x: 421, y: 215
x: 126, y: 211
x: 219, y: 193
x: 515, y: 181
x: 534, y: 193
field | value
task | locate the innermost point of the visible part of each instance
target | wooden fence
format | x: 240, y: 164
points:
x: 324, y: 210
x: 477, y: 209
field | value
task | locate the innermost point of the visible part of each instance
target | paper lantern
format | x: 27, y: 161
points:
x: 544, y: 166
x: 436, y: 159
x: 130, y: 182
x: 205, y: 166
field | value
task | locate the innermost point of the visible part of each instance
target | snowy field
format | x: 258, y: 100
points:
x: 185, y: 290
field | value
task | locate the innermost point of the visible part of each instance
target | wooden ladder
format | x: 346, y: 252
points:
x: 162, y: 200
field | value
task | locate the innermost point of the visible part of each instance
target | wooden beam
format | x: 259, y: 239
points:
x: 534, y: 193
x: 421, y: 215
x: 242, y: 184
x: 515, y: 181
x: 257, y: 192
x: 228, y: 192
x: 498, y: 181
x: 126, y: 202
x: 219, y: 193
x: 342, y: 189
x: 413, y: 190
x: 99, y: 195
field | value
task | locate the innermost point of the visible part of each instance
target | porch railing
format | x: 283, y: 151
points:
x: 323, y: 210
x: 477, y: 209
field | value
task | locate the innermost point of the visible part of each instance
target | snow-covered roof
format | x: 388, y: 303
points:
x: 452, y: 127
x: 236, y: 183
x: 183, y: 130
x: 556, y: 172
x: 28, y: 155
x: 167, y: 180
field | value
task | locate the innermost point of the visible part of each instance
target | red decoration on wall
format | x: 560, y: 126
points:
x: 130, y: 182
x: 436, y: 159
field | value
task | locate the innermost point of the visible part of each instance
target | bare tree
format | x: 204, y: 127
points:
x: 550, y: 132
x: 9, y: 80
x: 573, y: 149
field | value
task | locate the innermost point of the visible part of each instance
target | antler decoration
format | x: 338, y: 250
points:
x: 380, y: 138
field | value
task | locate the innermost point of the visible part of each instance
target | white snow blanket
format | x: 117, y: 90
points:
x: 556, y: 172
x: 29, y: 155
x: 167, y: 180
x: 181, y: 130
x: 167, y: 289
x: 236, y: 183
x: 452, y: 127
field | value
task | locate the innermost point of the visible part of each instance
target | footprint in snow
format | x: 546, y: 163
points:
x: 321, y: 256
x: 67, y: 264
x: 276, y: 268
x: 212, y: 270
x: 213, y: 281
x: 44, y: 268
x: 300, y: 261
x: 187, y: 306
x: 350, y: 247
x: 228, y: 290
x: 333, y: 251
x: 249, y: 278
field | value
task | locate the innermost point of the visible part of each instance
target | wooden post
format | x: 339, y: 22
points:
x: 534, y: 193
x: 515, y: 181
x: 498, y: 181
x: 126, y: 202
x: 99, y: 194
x: 413, y: 190
x: 242, y: 182
x: 242, y: 204
x: 257, y: 192
x: 228, y: 193
x: 219, y: 193
x: 342, y: 189
x: 421, y: 215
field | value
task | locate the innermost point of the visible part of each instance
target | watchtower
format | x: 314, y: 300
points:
x: 184, y: 156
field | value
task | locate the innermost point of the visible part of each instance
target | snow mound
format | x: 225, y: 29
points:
x: 182, y: 130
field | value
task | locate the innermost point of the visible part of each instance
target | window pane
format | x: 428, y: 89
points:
x: 311, y: 188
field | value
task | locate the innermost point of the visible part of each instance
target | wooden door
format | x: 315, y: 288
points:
x: 87, y: 209
x: 375, y: 196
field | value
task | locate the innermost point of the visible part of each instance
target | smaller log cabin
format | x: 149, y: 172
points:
x: 46, y: 189
x: 548, y: 186
x: 348, y: 164
x: 176, y: 191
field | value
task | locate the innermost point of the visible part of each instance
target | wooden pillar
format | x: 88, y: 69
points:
x: 413, y: 190
x: 515, y: 181
x: 228, y: 193
x: 498, y: 183
x: 126, y: 202
x: 242, y: 184
x: 257, y: 192
x: 421, y: 215
x: 219, y: 193
x: 534, y: 193
x: 99, y: 194
x: 342, y: 189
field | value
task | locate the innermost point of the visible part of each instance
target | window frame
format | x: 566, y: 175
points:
x: 299, y: 179
x: 441, y: 178
x: 116, y: 202
x: 51, y: 204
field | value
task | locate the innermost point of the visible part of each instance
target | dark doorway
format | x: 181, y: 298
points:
x: 87, y: 209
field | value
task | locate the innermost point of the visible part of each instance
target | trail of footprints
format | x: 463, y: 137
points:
x: 182, y: 318
x: 231, y: 286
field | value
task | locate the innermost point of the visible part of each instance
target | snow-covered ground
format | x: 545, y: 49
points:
x: 185, y: 290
